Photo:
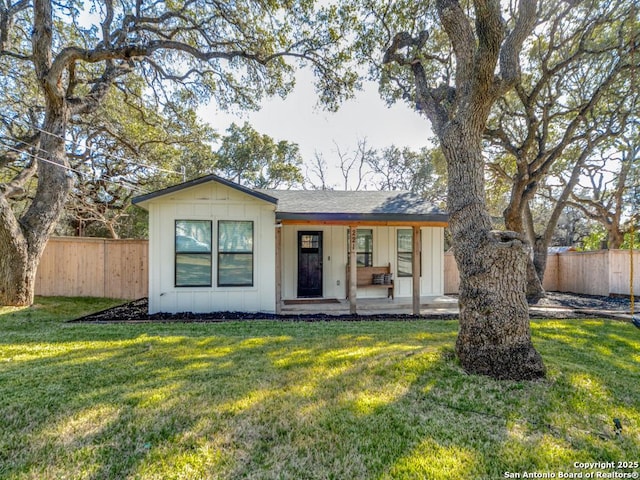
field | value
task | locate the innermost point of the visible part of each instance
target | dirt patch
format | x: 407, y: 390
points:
x: 554, y: 305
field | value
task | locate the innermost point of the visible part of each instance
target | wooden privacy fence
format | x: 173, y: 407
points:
x: 93, y: 267
x: 605, y: 272
x: 98, y: 267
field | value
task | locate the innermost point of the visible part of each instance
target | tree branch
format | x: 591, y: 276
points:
x: 7, y: 14
x: 490, y: 33
x: 15, y: 187
x: 512, y: 46
x: 41, y: 40
x: 428, y: 100
x: 545, y: 159
x: 458, y: 29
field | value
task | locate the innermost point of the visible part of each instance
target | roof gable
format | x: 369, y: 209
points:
x: 142, y: 199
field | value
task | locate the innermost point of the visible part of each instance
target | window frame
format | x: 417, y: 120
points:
x: 177, y: 252
x: 362, y: 253
x: 398, y: 252
x: 224, y: 253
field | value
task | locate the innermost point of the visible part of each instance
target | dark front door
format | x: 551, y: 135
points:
x: 309, y: 264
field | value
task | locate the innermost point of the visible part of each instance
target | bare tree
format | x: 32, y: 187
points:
x: 318, y: 172
x: 354, y: 165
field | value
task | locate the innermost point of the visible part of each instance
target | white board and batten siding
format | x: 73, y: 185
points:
x: 210, y: 201
x: 432, y: 278
x: 335, y: 258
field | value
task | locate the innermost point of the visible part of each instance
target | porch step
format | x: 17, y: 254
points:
x: 377, y: 305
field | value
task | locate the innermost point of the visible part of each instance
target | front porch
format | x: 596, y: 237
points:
x: 337, y: 245
x: 313, y: 263
x: 429, y: 305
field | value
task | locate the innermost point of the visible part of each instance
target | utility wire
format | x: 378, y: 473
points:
x: 3, y: 139
x: 40, y: 159
x: 109, y: 155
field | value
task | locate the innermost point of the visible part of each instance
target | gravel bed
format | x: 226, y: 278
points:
x: 136, y: 311
x: 554, y: 305
x: 587, y: 302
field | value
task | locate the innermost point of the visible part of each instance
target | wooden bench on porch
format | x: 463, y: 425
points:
x: 365, y: 278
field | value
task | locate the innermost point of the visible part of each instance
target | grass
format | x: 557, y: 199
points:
x: 343, y: 400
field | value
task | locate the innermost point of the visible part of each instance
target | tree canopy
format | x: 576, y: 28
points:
x: 568, y: 105
x: 257, y: 160
x: 61, y: 61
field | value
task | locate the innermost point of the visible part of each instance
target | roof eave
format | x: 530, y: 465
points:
x: 143, y: 199
x: 363, y: 217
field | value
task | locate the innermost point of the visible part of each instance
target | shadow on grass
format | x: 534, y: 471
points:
x: 278, y: 400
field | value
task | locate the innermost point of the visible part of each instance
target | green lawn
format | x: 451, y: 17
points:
x: 293, y: 400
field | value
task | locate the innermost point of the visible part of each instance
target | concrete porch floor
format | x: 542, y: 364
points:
x: 441, y: 305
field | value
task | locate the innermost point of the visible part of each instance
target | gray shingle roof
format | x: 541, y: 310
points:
x: 328, y: 205
x: 350, y: 205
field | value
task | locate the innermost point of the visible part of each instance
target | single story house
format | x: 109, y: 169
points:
x: 215, y: 245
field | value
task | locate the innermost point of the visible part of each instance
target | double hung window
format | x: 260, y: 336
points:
x: 193, y: 253
x: 364, y: 247
x: 235, y: 253
x: 405, y: 252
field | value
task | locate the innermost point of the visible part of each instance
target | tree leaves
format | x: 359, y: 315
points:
x: 258, y: 161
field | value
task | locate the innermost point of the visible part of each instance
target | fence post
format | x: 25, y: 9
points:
x: 105, y: 265
x: 631, y: 246
x: 610, y: 263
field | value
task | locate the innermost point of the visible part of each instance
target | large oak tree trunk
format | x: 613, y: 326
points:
x: 22, y: 242
x: 15, y: 272
x: 535, y: 290
x: 494, y: 337
x: 540, y: 256
x: 513, y: 220
x: 615, y: 238
x: 18, y: 272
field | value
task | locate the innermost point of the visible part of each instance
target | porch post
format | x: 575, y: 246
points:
x: 278, y: 269
x: 416, y: 269
x: 353, y: 269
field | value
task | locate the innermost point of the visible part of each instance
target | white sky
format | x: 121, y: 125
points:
x: 298, y: 119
